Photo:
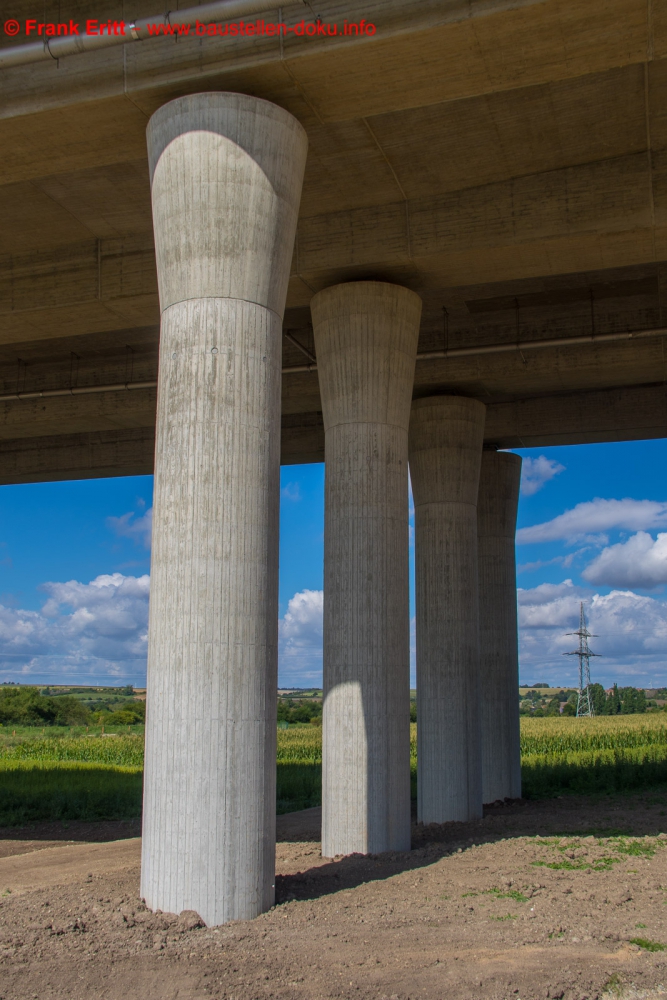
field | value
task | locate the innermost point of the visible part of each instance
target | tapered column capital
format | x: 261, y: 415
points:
x: 366, y: 335
x: 445, y: 441
x: 226, y: 173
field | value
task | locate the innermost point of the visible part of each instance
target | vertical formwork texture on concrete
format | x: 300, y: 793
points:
x: 497, y: 503
x: 226, y: 175
x: 366, y: 337
x: 446, y: 436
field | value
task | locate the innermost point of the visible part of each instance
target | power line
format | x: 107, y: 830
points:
x: 584, y: 706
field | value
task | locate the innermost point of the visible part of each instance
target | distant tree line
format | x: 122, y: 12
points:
x: 304, y: 710
x: 292, y: 710
x: 27, y: 706
x: 620, y: 701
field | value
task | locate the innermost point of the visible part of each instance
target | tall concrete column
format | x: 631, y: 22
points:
x: 446, y: 435
x: 499, y: 658
x: 226, y: 174
x: 366, y: 336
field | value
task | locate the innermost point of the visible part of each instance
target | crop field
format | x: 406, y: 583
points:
x: 66, y: 790
x: 85, y: 775
x: 562, y: 735
x: 605, y: 754
x: 11, y: 734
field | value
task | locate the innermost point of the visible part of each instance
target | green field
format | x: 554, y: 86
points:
x: 605, y: 754
x: 69, y: 774
x: 66, y: 790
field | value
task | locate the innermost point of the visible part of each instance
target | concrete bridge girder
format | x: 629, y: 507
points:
x: 90, y: 446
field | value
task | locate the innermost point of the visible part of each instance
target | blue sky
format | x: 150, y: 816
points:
x: 591, y: 527
x: 75, y: 564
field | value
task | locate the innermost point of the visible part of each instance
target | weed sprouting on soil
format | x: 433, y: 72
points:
x: 648, y: 945
x: 598, y: 865
x: 518, y: 897
x: 591, y: 854
x: 613, y: 986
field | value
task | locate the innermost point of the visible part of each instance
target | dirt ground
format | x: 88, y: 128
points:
x: 537, y: 900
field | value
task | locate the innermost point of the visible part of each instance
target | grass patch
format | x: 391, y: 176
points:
x: 648, y: 945
x: 518, y: 897
x: 33, y: 791
x: 635, y: 848
x: 597, y: 865
x: 613, y: 985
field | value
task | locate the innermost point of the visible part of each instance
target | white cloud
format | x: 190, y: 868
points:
x: 639, y: 562
x: 84, y: 631
x: 535, y: 472
x: 549, y: 605
x: 291, y: 491
x: 588, y: 521
x: 300, y: 640
x: 630, y: 630
x: 564, y: 561
x: 140, y: 529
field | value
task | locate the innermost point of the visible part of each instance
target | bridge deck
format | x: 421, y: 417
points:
x: 506, y: 161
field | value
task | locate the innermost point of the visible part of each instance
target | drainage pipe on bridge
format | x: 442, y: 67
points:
x: 136, y: 31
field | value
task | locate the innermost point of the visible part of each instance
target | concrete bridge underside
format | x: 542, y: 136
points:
x: 507, y: 162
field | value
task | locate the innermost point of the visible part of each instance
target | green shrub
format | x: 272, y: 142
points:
x: 130, y: 714
x: 300, y: 711
x: 25, y: 706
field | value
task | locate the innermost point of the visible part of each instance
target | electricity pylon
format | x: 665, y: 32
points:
x: 584, y: 706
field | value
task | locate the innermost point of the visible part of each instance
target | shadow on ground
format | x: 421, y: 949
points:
x: 74, y: 831
x: 623, y: 814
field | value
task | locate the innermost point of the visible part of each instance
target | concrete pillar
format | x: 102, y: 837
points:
x: 499, y: 659
x: 226, y: 173
x: 446, y: 434
x: 366, y: 336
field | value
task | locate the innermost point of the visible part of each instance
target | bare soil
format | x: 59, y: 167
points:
x: 473, y: 912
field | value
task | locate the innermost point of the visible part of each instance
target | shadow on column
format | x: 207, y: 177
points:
x: 366, y: 342
x: 446, y: 435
